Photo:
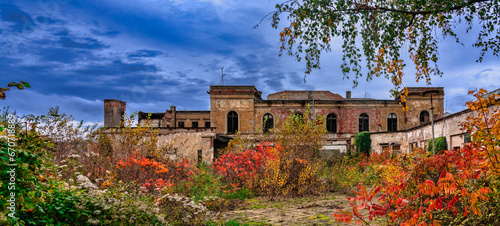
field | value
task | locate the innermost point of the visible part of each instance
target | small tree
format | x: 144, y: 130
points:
x: 440, y: 143
x: 363, y: 143
x: 302, y: 136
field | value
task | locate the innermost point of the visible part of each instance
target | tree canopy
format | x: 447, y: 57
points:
x: 381, y: 31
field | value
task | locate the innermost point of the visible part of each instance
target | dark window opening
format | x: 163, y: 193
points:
x: 364, y: 120
x: 424, y: 117
x: 194, y: 124
x: 331, y: 123
x: 180, y: 124
x: 268, y: 122
x: 298, y: 116
x: 232, y: 122
x: 392, y: 122
x: 207, y: 124
x: 200, y: 157
x: 467, y: 138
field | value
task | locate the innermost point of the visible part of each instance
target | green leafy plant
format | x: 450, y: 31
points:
x: 440, y: 143
x: 363, y: 143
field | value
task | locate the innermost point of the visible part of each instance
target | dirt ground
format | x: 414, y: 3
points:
x: 315, y: 210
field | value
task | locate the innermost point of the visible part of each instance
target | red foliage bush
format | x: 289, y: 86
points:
x: 243, y: 167
x: 150, y: 174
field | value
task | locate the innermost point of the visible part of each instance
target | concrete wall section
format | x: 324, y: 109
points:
x: 188, y: 143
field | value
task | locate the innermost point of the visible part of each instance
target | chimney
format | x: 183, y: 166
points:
x: 173, y: 120
x: 348, y: 94
x: 113, y: 112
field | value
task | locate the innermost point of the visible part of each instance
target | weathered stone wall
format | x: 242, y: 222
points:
x: 179, y: 143
x: 449, y: 127
x: 188, y: 145
x: 188, y: 117
x: 379, y: 140
x: 240, y: 99
x: 172, y: 117
x: 419, y: 99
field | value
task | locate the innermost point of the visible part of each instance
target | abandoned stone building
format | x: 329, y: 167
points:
x: 198, y: 135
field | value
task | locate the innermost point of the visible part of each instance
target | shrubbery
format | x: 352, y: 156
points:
x: 458, y: 187
x: 440, y: 143
x: 363, y: 143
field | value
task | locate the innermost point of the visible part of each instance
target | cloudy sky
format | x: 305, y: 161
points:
x: 157, y: 53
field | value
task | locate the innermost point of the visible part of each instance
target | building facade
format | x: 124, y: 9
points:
x: 241, y: 109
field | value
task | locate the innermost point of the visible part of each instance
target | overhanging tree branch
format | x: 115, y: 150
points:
x: 365, y: 7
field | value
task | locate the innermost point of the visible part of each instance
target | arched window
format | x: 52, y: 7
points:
x: 268, y: 122
x: 424, y: 117
x: 392, y: 122
x: 364, y: 120
x: 331, y: 123
x: 232, y: 122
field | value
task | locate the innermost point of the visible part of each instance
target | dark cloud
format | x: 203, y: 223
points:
x: 22, y: 20
x: 118, y: 67
x: 45, y: 20
x: 64, y: 32
x: 145, y: 53
x: 63, y: 55
x: 85, y: 43
x: 110, y: 34
x: 274, y: 81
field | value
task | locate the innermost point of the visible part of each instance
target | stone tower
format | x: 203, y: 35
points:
x: 113, y: 112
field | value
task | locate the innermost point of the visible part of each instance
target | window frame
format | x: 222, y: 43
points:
x: 232, y: 122
x: 423, y: 116
x: 331, y: 120
x: 268, y: 123
x: 392, y: 122
x: 362, y: 124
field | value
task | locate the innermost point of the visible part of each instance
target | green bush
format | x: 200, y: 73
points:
x: 441, y: 145
x: 346, y: 172
x: 363, y: 143
x: 202, y: 183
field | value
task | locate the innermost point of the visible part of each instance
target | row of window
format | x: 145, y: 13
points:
x: 180, y: 124
x: 331, y: 122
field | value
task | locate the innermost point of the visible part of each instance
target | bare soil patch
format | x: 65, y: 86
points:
x: 314, y: 210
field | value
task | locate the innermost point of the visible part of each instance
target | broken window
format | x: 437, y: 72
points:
x: 268, y: 122
x: 392, y: 122
x: 232, y: 122
x: 207, y: 124
x: 331, y: 123
x: 180, y: 124
x: 424, y: 117
x: 194, y: 124
x: 364, y: 120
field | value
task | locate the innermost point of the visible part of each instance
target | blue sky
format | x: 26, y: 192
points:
x: 157, y: 53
